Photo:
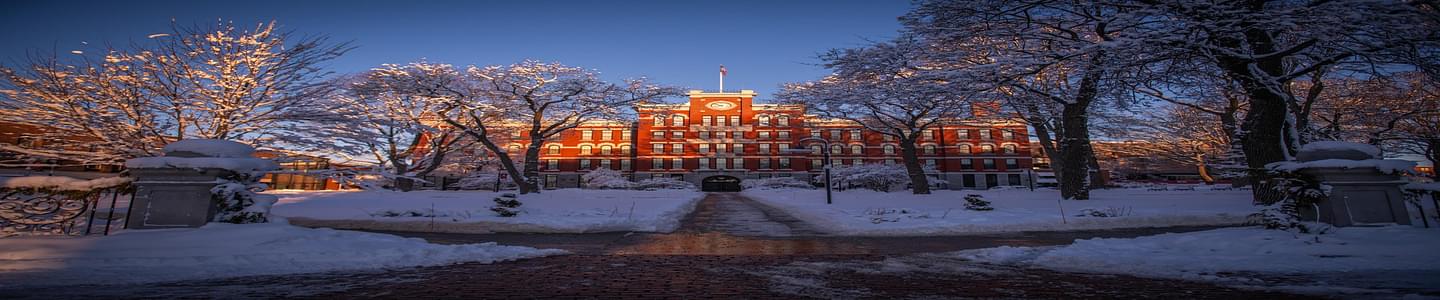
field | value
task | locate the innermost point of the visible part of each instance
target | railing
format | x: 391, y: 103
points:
x: 57, y: 205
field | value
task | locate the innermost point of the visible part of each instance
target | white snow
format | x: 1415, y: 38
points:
x: 233, y: 164
x: 1340, y: 146
x: 226, y: 250
x: 1388, y: 166
x: 61, y: 182
x: 1250, y: 256
x: 562, y: 210
x: 864, y: 212
x: 212, y: 148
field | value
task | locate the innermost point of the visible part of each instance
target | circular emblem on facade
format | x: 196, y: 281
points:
x: 720, y: 105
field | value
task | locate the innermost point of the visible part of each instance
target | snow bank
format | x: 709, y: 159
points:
x: 863, y: 212
x: 212, y: 148
x: 62, y: 183
x: 233, y: 164
x: 563, y: 210
x: 1388, y: 166
x: 226, y: 250
x: 1341, y: 146
x: 1234, y: 255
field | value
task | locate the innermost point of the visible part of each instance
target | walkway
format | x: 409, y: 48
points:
x: 730, y: 247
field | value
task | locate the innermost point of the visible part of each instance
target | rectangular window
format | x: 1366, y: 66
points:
x: 857, y: 161
x: 764, y: 163
x: 989, y: 164
x: 784, y: 162
x: 625, y: 135
x: 707, y: 120
x: 658, y: 135
x: 783, y: 120
x: 553, y: 164
x: 1014, y: 179
x: 784, y: 135
x: 784, y: 147
x: 927, y: 135
x: 704, y: 163
x: 854, y: 134
x: 967, y: 164
x: 677, y: 148
x: 584, y: 164
x: 606, y: 135
x: 1012, y: 164
x: 704, y: 134
x: 704, y: 148
x: 764, y: 148
x: 657, y: 163
x: 815, y: 134
x: 677, y: 134
x: 605, y: 164
x: 763, y: 135
x: 986, y: 135
x: 720, y: 134
x: 658, y: 149
x: 734, y: 120
x: 890, y: 162
x: 677, y: 163
x: 739, y: 163
x: 625, y: 164
x: 815, y: 164
x: 930, y: 163
x: 515, y: 134
x: 835, y: 135
x: 964, y: 134
x: 550, y: 181
x: 1007, y: 135
x: 720, y: 148
x: 739, y: 148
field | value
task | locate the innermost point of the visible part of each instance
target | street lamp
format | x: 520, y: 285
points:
x: 825, y: 149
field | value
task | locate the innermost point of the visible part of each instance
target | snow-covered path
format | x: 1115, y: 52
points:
x: 739, y: 215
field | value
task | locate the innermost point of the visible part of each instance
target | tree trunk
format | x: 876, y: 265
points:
x: 1263, y: 134
x: 532, y: 161
x: 1202, y: 168
x: 500, y: 154
x: 1047, y: 145
x: 1434, y: 155
x: 919, y: 184
x: 1074, y: 153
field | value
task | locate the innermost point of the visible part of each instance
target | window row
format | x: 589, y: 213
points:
x: 590, y: 164
x: 720, y: 163
x: 605, y: 135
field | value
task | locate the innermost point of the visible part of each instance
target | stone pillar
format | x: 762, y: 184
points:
x: 1364, y: 189
x: 174, y: 191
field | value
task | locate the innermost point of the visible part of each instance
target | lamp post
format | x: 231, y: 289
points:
x: 824, y: 149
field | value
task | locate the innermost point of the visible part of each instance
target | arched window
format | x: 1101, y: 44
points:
x: 677, y: 121
x: 783, y: 120
x: 606, y: 150
x: 625, y: 149
x: 857, y: 149
x: 554, y: 149
x: 659, y: 121
x: 987, y: 149
x: 1009, y: 149
x: 928, y: 149
x: 835, y: 149
x: 889, y: 149
x: 764, y: 120
x: 585, y: 149
x: 965, y: 149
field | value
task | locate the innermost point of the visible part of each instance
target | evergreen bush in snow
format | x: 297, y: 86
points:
x: 977, y: 202
x: 878, y: 177
x: 776, y: 183
x: 606, y: 179
x: 663, y: 184
x: 506, y: 205
x: 238, y: 199
x: 1292, y: 193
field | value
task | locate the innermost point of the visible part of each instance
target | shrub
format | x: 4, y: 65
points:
x: 506, y: 205
x: 663, y: 184
x: 606, y: 179
x: 879, y: 177
x: 777, y: 183
x: 977, y: 202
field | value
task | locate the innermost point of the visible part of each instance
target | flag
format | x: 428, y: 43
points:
x: 722, y: 70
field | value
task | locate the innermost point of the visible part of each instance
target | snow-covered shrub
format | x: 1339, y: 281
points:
x: 238, y: 200
x: 878, y: 177
x: 506, y: 205
x: 890, y: 215
x: 776, y: 183
x: 977, y: 202
x: 606, y: 179
x: 478, y: 181
x: 663, y: 184
x: 1289, y: 192
x: 1108, y: 212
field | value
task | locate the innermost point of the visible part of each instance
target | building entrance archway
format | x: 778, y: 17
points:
x: 720, y: 183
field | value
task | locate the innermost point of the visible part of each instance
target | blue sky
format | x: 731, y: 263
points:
x: 762, y: 43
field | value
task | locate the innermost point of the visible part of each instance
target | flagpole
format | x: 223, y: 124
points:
x: 722, y: 81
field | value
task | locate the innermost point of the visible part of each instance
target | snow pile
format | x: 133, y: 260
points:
x: 62, y: 183
x: 944, y: 211
x: 563, y: 210
x: 212, y: 148
x: 1387, y: 166
x: 227, y: 250
x: 1231, y: 254
x: 776, y: 183
x: 606, y: 179
x: 1416, y: 186
x: 1336, y: 146
x: 664, y: 184
x: 879, y: 177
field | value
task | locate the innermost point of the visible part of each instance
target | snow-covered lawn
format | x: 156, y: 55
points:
x: 1350, y: 260
x: 865, y: 212
x: 564, y: 210
x: 226, y: 250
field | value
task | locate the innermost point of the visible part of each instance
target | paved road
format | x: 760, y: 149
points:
x: 730, y: 247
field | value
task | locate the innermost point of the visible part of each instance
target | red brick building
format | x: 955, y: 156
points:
x: 715, y: 135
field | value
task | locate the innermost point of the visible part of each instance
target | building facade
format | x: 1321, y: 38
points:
x: 718, y: 135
